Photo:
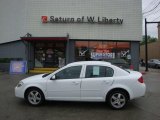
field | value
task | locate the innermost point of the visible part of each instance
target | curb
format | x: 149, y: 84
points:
x: 143, y: 73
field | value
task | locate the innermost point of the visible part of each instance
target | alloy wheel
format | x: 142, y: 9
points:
x: 34, y: 97
x: 118, y: 100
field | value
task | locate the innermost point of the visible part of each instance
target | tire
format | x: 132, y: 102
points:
x: 34, y: 96
x: 117, y: 99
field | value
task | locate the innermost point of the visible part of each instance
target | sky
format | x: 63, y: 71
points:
x: 154, y: 15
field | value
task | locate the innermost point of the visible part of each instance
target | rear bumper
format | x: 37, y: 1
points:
x: 139, y: 91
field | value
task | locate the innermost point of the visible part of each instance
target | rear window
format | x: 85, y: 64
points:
x: 98, y: 71
x: 127, y: 70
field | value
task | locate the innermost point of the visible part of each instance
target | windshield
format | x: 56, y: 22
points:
x: 127, y: 70
x: 45, y: 75
x: 157, y: 60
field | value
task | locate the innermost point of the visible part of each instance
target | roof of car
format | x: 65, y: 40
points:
x: 90, y: 63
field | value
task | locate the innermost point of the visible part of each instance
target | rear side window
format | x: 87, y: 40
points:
x: 98, y: 71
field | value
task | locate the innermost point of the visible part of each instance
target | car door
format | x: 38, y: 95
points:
x: 154, y: 63
x: 66, y: 85
x: 149, y: 63
x: 96, y: 80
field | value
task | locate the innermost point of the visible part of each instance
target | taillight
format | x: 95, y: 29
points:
x: 141, y: 80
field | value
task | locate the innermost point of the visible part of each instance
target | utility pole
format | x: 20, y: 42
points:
x: 146, y: 42
x: 146, y: 46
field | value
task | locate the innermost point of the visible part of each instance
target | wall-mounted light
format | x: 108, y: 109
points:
x: 28, y: 35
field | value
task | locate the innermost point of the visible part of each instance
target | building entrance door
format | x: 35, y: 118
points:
x: 50, y: 54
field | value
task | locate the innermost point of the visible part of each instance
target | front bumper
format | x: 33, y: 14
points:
x: 19, y: 92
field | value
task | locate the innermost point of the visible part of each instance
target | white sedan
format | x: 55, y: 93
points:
x: 84, y: 81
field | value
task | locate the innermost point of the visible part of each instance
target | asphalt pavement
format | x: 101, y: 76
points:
x: 12, y: 108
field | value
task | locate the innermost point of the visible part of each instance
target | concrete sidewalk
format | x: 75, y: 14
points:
x: 142, y: 70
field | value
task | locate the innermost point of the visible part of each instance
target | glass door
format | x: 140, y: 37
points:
x: 50, y: 54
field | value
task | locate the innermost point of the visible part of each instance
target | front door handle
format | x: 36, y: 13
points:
x: 106, y: 82
x: 75, y: 83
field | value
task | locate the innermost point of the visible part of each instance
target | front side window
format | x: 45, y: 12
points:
x: 69, y: 73
x: 98, y: 71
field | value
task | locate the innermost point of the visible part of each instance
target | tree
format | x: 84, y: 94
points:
x: 149, y: 39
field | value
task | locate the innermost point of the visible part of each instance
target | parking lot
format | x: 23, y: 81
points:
x: 12, y: 108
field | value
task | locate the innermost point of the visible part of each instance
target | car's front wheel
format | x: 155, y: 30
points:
x: 156, y: 66
x: 117, y: 99
x: 34, y: 96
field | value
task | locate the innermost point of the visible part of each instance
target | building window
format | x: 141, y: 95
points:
x: 102, y: 50
x: 82, y: 51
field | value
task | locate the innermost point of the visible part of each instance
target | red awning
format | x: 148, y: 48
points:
x: 44, y: 38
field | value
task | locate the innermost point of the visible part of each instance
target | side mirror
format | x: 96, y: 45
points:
x: 53, y: 77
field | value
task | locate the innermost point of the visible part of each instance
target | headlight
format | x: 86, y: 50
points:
x: 20, y: 84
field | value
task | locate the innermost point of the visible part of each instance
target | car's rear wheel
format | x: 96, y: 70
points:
x: 117, y: 99
x: 34, y: 96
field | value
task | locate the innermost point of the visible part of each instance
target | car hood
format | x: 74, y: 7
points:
x: 35, y: 78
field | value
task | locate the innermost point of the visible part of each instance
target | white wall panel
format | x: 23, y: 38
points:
x: 30, y: 19
x: 12, y: 20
